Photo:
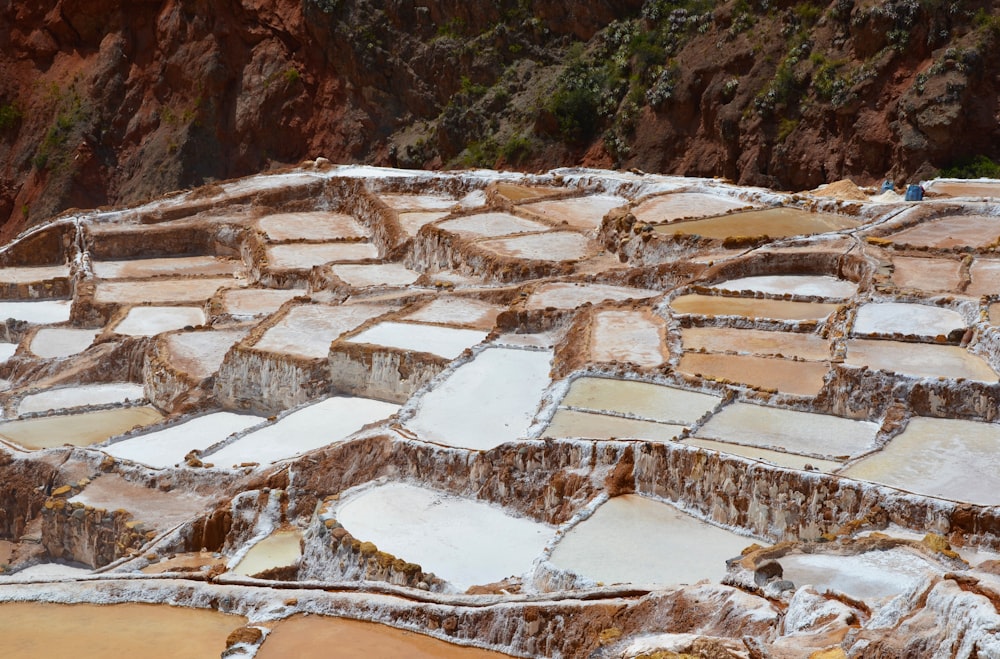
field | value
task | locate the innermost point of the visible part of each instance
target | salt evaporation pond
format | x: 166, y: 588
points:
x: 382, y: 274
x: 422, y: 202
x: 154, y: 507
x: 280, y: 549
x: 780, y: 458
x: 906, y: 318
x: 162, y: 291
x: 181, y: 265
x: 984, y: 277
x: 7, y: 351
x: 304, y: 256
x: 315, y: 225
x: 81, y: 396
x: 200, y: 354
x: 411, y: 222
x: 759, y: 342
x: 457, y: 311
x: 717, y: 305
x: 771, y: 222
x: 571, y: 295
x: 77, y: 429
x: 926, y: 274
x: 579, y: 212
x: 313, y: 637
x: 633, y: 539
x: 951, y: 231
x: 551, y: 246
x: 923, y: 360
x: 489, y: 225
x: 45, y: 312
x: 949, y: 458
x: 971, y: 188
x: 167, y: 447
x: 568, y: 424
x: 31, y: 274
x: 680, y: 205
x: 55, y: 343
x: 785, y: 375
x: 308, y: 330
x: 812, y: 285
x: 628, y: 336
x: 463, y: 541
x: 251, y: 302
x: 639, y: 399
x: 148, y: 321
x: 92, y: 631
x: 866, y: 576
x: 790, y: 430
x: 448, y: 342
x: 323, y: 423
x: 486, y: 402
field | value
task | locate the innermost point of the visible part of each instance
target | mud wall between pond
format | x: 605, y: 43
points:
x: 92, y: 536
x: 787, y: 504
x: 23, y: 486
x: 267, y: 383
x: 379, y: 372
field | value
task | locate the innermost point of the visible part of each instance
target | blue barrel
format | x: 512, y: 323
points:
x: 886, y: 186
x: 914, y: 192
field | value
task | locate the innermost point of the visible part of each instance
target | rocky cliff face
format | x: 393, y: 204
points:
x: 104, y: 101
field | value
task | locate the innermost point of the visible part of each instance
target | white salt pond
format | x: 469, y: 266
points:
x: 924, y: 360
x: 778, y: 222
x: 873, y: 575
x: 182, y: 265
x: 245, y: 303
x: 567, y: 424
x: 32, y: 274
x: 579, y: 212
x: 571, y: 295
x: 411, y: 222
x: 308, y: 330
x: 628, y: 336
x: 748, y: 307
x: 45, y: 312
x: 639, y: 399
x: 315, y: 225
x: 323, y: 423
x: 167, y: 447
x: 680, y: 205
x: 753, y: 341
x: 906, y: 318
x: 148, y: 321
x: 779, y: 458
x: 304, y: 256
x: 159, y: 291
x: 818, y: 285
x: 419, y: 202
x: 949, y: 458
x: 382, y: 274
x: 463, y: 541
x: 51, y: 342
x: 790, y: 430
x: 486, y: 402
x: 81, y: 396
x: 280, y: 549
x: 7, y: 351
x: 551, y: 246
x: 485, y: 225
x: 77, y: 429
x: 200, y: 354
x: 632, y: 539
x: 43, y: 572
x: 448, y: 342
x: 457, y: 311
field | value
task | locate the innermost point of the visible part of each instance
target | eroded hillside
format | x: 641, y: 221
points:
x: 104, y: 101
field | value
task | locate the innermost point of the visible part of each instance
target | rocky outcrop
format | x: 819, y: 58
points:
x: 163, y: 95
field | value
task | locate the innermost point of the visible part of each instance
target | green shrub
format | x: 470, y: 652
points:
x: 9, y: 116
x: 978, y: 167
